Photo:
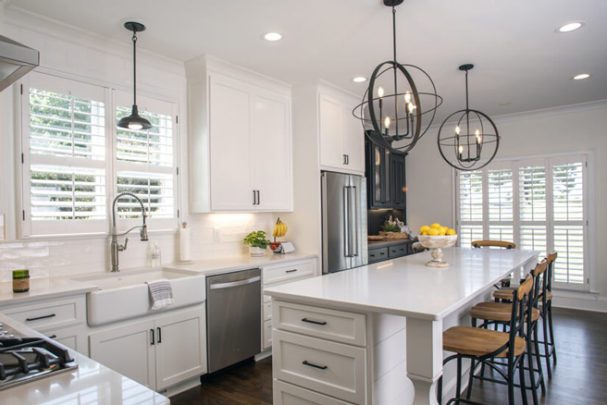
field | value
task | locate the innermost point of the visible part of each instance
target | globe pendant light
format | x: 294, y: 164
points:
x: 401, y: 101
x: 468, y: 139
x: 134, y: 121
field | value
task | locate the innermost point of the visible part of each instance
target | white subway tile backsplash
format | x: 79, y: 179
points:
x: 212, y: 236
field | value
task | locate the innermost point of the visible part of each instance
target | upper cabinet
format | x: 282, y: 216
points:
x: 341, y: 134
x: 244, y: 135
x: 386, y: 181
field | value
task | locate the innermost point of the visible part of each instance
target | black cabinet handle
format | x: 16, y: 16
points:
x: 152, y: 338
x: 40, y: 317
x: 321, y: 323
x: 347, y: 159
x: 291, y: 271
x: 52, y: 336
x: 159, y: 335
x: 258, y: 197
x: 307, y: 363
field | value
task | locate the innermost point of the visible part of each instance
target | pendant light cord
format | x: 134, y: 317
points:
x: 394, y: 69
x: 134, y: 68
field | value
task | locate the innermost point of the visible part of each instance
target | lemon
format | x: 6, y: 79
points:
x: 433, y: 232
x: 443, y: 230
x: 451, y: 231
x: 435, y: 225
x: 423, y: 229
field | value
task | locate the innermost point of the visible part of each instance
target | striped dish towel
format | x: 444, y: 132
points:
x: 161, y: 294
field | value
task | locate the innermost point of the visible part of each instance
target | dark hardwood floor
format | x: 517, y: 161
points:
x: 579, y: 378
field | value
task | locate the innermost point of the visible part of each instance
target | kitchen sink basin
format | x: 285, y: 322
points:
x: 125, y: 295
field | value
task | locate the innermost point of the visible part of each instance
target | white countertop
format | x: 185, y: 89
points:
x: 236, y: 263
x: 406, y: 287
x: 41, y: 288
x: 90, y: 383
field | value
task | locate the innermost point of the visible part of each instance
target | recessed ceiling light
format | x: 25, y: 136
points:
x: 581, y: 76
x: 272, y: 36
x: 572, y: 26
x: 359, y: 79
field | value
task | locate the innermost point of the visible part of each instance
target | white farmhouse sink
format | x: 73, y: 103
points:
x: 125, y: 295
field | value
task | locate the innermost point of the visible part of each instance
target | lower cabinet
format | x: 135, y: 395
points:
x: 288, y: 394
x: 158, y: 352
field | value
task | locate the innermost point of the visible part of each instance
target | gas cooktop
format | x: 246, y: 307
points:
x: 24, y: 359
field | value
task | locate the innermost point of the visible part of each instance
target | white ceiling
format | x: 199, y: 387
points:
x: 521, y: 62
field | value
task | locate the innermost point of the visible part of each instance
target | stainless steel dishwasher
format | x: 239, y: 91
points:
x: 233, y: 317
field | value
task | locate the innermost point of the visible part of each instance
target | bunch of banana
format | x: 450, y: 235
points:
x: 280, y: 229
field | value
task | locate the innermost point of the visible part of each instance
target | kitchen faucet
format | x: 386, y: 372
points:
x: 115, y: 247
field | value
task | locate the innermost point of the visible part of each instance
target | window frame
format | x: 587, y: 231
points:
x: 548, y: 162
x: 110, y: 100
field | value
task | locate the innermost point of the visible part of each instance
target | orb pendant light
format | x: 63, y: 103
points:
x: 468, y: 139
x: 134, y: 121
x: 401, y: 101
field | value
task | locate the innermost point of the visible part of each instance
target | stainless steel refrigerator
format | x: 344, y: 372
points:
x: 344, y: 221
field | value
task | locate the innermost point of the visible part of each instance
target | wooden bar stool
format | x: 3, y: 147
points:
x: 498, y: 244
x: 482, y: 345
x: 546, y: 310
x: 498, y: 313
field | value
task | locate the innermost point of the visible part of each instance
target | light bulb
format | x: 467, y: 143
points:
x: 461, y: 149
x: 135, y: 126
x: 457, y: 130
x: 380, y: 91
x: 407, y: 97
x: 477, y: 133
x: 387, y: 122
x: 411, y: 107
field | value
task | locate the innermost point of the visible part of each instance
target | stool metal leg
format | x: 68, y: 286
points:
x: 529, y: 357
x: 470, y: 378
x: 546, y: 345
x: 552, y: 343
x: 536, y: 350
x: 521, y: 370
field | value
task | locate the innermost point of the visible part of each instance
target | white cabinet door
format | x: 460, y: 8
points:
x: 73, y: 337
x: 230, y: 126
x: 330, y: 132
x: 180, y: 347
x: 354, y: 140
x: 129, y: 350
x: 271, y: 152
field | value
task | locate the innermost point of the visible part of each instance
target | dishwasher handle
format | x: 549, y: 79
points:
x: 231, y: 284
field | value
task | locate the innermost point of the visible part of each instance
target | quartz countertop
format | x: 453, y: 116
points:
x: 42, y: 288
x: 236, y: 263
x: 406, y: 287
x: 90, y: 383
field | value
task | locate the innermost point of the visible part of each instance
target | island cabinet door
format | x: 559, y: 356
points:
x: 180, y: 348
x: 329, y: 368
x: 129, y: 350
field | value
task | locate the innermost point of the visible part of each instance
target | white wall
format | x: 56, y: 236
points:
x: 578, y: 128
x: 77, y: 54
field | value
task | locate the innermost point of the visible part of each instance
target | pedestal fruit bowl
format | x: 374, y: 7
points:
x: 436, y: 244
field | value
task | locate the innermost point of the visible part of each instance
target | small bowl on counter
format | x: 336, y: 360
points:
x: 436, y: 244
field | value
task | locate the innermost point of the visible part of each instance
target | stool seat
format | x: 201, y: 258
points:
x: 497, y: 311
x: 503, y: 293
x: 479, y: 342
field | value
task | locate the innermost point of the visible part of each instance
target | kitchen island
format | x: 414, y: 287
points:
x: 373, y: 334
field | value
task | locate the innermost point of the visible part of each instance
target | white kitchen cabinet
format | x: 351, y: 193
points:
x: 128, y: 350
x: 240, y: 123
x: 341, y: 134
x: 180, y: 348
x: 158, y: 352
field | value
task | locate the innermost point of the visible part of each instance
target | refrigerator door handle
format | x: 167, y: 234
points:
x: 354, y: 234
x: 346, y: 215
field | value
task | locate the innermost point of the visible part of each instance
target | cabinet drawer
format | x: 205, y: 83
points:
x: 329, y: 324
x: 267, y: 334
x: 50, y: 314
x: 288, y: 394
x: 283, y: 272
x: 329, y: 368
x: 377, y: 255
x: 397, y: 251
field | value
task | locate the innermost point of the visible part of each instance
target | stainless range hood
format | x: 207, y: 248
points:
x: 15, y: 61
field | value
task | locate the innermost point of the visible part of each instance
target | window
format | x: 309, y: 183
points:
x: 65, y: 180
x: 145, y: 161
x: 74, y: 162
x: 540, y: 204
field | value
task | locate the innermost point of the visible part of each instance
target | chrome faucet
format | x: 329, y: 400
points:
x: 115, y: 247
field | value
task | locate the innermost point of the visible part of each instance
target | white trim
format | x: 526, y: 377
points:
x: 579, y: 300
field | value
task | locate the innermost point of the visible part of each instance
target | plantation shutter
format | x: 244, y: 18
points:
x: 64, y: 152
x: 500, y: 204
x: 471, y: 216
x: 532, y: 200
x: 145, y: 162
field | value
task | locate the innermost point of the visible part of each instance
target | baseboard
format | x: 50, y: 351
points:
x: 263, y: 355
x: 181, y: 387
x: 583, y: 301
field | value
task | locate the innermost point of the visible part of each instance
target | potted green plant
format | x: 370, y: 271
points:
x: 257, y: 243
